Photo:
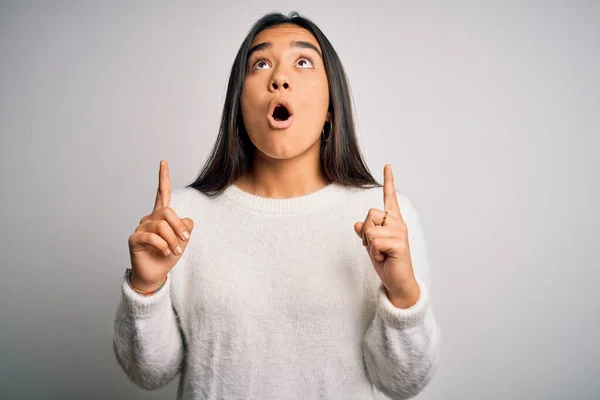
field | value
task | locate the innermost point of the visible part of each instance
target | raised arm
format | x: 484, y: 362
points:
x: 148, y: 342
x: 401, y: 345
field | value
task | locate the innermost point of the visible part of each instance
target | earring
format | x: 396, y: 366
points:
x: 323, y: 132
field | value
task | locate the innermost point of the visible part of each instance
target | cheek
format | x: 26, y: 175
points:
x: 245, y: 97
x: 248, y: 103
x: 315, y: 95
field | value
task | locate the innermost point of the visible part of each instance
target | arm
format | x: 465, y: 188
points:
x: 401, y: 346
x: 147, y: 342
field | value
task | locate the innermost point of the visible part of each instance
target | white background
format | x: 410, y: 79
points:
x: 487, y: 111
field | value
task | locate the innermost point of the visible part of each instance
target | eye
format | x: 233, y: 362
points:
x: 306, y: 62
x: 260, y: 64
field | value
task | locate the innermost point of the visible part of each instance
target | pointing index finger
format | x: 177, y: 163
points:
x: 390, y: 201
x: 163, y: 193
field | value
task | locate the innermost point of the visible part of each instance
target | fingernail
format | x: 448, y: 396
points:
x: 178, y: 250
x: 186, y: 235
x: 167, y: 252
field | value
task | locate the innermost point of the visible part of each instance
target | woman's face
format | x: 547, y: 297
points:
x: 286, y: 68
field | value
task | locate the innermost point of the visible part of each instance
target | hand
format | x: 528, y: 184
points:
x: 387, y: 246
x: 160, y: 238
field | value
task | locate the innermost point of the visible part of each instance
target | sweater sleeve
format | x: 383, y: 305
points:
x: 147, y: 341
x: 401, y: 346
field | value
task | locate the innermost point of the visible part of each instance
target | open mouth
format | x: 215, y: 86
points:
x: 281, y: 113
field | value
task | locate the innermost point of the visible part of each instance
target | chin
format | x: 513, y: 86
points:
x: 279, y: 153
x: 279, y: 150
x: 283, y: 144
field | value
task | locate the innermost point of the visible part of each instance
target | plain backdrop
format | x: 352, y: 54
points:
x: 487, y: 111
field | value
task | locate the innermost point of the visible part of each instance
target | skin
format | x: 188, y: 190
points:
x: 286, y: 163
x: 388, y: 247
x: 159, y: 240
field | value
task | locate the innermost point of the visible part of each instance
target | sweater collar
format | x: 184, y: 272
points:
x: 294, y: 205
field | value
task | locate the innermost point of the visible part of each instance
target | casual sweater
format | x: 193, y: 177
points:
x: 278, y: 299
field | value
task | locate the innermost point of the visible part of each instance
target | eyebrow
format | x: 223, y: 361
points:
x: 294, y: 43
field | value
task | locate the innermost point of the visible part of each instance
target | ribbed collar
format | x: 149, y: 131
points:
x: 294, y: 205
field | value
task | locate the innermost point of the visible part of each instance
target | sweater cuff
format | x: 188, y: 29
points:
x: 141, y: 306
x: 403, y: 318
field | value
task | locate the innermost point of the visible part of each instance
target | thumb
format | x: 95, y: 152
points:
x: 358, y: 229
x: 189, y: 223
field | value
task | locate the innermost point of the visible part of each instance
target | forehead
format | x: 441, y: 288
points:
x: 283, y: 34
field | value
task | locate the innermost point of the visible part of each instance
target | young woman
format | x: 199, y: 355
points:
x: 294, y: 274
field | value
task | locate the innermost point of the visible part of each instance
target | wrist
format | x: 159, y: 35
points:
x: 405, y: 297
x: 142, y: 286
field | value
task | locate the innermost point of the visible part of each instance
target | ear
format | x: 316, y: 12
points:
x: 328, y: 118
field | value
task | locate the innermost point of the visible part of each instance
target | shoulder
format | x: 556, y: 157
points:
x: 186, y: 199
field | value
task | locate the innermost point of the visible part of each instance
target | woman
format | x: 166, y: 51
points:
x: 274, y: 297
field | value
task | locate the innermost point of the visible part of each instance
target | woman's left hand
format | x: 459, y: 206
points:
x: 388, y: 248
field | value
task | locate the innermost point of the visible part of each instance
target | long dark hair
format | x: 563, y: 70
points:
x: 340, y: 160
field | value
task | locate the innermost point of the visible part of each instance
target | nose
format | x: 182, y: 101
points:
x: 279, y: 82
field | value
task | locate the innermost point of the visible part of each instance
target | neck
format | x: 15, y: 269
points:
x: 282, y: 179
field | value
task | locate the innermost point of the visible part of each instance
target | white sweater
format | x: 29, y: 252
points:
x: 278, y: 299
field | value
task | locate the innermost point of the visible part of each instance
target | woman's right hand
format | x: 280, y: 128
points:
x: 159, y: 240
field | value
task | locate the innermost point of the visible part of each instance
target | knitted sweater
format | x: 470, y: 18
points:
x: 278, y: 299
